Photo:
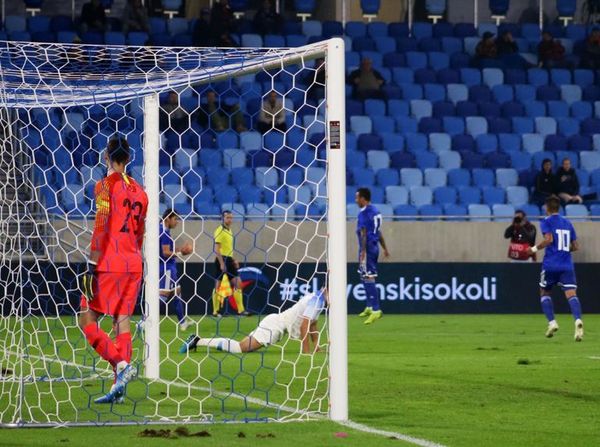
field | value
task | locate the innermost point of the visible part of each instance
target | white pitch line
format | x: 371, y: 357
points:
x: 349, y: 424
x: 594, y: 357
x: 390, y: 434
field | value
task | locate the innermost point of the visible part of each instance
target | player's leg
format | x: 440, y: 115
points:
x: 370, y: 284
x: 216, y: 299
x: 180, y: 309
x: 547, y: 281
x: 362, y: 271
x: 569, y: 285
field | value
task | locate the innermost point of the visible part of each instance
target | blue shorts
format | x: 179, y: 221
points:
x: 564, y: 278
x: 168, y: 278
x: 370, y: 269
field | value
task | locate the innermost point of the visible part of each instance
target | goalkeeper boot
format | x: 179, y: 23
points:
x: 366, y: 313
x: 375, y: 315
x: 117, y: 391
x: 190, y: 344
x: 185, y: 324
x: 552, y: 329
x: 578, y: 330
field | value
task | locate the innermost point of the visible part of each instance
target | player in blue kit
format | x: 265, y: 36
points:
x: 170, y: 290
x: 560, y: 240
x: 368, y: 230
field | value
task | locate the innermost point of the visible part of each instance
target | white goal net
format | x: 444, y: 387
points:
x: 257, y: 132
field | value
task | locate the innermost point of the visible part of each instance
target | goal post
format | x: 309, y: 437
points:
x: 282, y: 174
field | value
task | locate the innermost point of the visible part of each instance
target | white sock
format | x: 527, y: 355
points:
x: 221, y: 344
x: 121, y: 366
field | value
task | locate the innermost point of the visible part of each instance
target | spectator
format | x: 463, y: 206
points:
x: 172, y: 115
x: 272, y: 114
x: 316, y: 81
x: 551, y: 53
x: 486, y: 48
x: 267, y: 20
x: 366, y: 81
x: 545, y: 183
x: 505, y: 44
x: 221, y: 18
x: 93, y: 17
x: 217, y: 116
x: 592, y: 50
x: 226, y: 41
x: 568, y: 183
x: 522, y: 236
x: 135, y: 17
x: 201, y: 34
x: 531, y: 14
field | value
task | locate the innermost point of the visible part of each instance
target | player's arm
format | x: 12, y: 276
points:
x: 363, y: 244
x: 574, y: 246
x: 100, y: 233
x: 180, y: 250
x: 218, y: 250
x: 304, y: 335
x: 386, y: 253
x: 548, y: 239
x: 314, y: 334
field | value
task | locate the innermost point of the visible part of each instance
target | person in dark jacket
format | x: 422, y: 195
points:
x: 568, y: 183
x: 522, y: 235
x: 551, y: 53
x: 201, y: 35
x: 267, y: 20
x: 545, y: 183
x: 366, y: 81
x: 505, y: 44
x: 93, y: 17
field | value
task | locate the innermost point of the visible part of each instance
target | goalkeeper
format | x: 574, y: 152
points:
x: 299, y: 321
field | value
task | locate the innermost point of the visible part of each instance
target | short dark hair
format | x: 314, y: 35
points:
x: 118, y: 149
x: 365, y: 193
x: 553, y: 204
x: 521, y: 212
x: 546, y: 160
x: 169, y: 212
x: 226, y: 212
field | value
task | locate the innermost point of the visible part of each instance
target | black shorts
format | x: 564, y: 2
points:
x: 230, y: 268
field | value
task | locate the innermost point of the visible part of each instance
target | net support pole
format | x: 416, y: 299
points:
x: 336, y: 220
x: 151, y: 244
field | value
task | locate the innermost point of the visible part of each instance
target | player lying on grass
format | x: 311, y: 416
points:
x: 560, y: 240
x: 299, y: 321
x: 113, y: 280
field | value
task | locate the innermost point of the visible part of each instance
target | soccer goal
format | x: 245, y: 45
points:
x: 259, y: 132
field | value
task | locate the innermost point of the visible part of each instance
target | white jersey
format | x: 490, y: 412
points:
x: 309, y: 306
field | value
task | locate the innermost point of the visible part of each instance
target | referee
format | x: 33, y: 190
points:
x: 226, y: 264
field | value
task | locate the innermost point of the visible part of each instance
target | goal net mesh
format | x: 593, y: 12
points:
x: 240, y: 129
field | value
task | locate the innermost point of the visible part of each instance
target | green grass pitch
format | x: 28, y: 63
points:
x: 457, y: 380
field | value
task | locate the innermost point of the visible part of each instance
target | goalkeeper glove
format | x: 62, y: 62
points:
x: 88, y: 280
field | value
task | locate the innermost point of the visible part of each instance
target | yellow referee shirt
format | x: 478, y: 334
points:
x: 224, y: 237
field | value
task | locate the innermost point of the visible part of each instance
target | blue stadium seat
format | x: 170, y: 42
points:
x: 369, y: 142
x: 443, y: 108
x: 363, y: 177
x: 489, y: 109
x: 538, y: 157
x: 583, y: 77
x: 459, y: 212
x: 430, y: 212
x: 590, y: 126
x: 591, y: 93
x: 383, y: 124
x: 416, y: 142
x: 535, y: 108
x: 438, y: 60
x: 580, y: 143
x: 502, y: 212
x: 448, y: 76
x: 590, y: 161
x: 453, y: 125
x: 422, y: 30
x: 416, y: 60
x: 521, y: 161
x: 483, y: 178
x: 459, y: 177
x: 420, y: 196
x: 435, y: 177
x: 479, y: 213
x: 503, y: 93
x: 449, y: 160
x: 426, y: 160
x: 548, y: 93
x: 439, y: 142
x: 360, y: 125
x: 570, y: 93
x: 558, y: 109
x: 452, y: 45
x: 512, y: 109
x: 493, y: 195
x: 468, y: 195
x: 266, y: 177
x: 392, y: 142
x: 555, y: 143
x: 577, y: 212
x: 15, y: 24
x: 405, y: 124
x: 398, y: 29
x: 506, y: 177
x: 411, y: 177
x: 470, y: 76
x: 523, y: 125
x: 429, y: 125
x: 377, y: 159
x: 517, y: 195
x: 515, y: 76
x: 387, y: 177
x: 457, y: 93
x: 545, y: 125
x: 509, y: 142
x: 560, y: 76
x: 581, y: 110
x: 537, y: 77
x: 444, y: 195
x: 480, y: 93
x: 466, y: 108
x: 525, y: 93
x: 486, y: 143
x: 408, y: 211
x: 470, y: 44
x: 476, y: 125
x: 471, y: 160
x: 434, y: 92
x: 420, y: 108
x: 492, y: 77
x: 495, y: 160
x: 464, y: 30
x: 396, y: 195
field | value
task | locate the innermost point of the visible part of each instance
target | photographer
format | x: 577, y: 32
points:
x: 522, y: 236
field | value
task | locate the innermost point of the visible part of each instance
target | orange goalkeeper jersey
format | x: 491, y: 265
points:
x: 121, y: 206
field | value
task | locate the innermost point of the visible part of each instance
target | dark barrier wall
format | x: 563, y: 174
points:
x: 403, y: 287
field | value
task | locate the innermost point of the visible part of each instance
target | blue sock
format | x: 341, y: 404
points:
x: 368, y: 297
x: 548, y: 307
x: 575, y: 306
x: 179, y: 308
x: 372, y: 295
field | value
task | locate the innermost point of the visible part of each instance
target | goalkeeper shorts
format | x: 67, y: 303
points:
x: 115, y: 293
x: 269, y: 331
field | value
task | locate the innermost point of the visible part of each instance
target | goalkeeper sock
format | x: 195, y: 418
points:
x: 101, y: 342
x: 178, y: 303
x: 372, y: 295
x: 548, y: 307
x: 221, y: 344
x: 123, y: 344
x: 216, y: 302
x: 239, y: 300
x: 575, y: 306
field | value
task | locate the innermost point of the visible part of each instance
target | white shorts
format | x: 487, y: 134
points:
x: 269, y: 331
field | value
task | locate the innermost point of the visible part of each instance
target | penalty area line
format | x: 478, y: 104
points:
x: 389, y: 434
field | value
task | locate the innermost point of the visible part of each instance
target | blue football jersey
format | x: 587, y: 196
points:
x: 166, y: 239
x: 558, y: 255
x: 370, y: 219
